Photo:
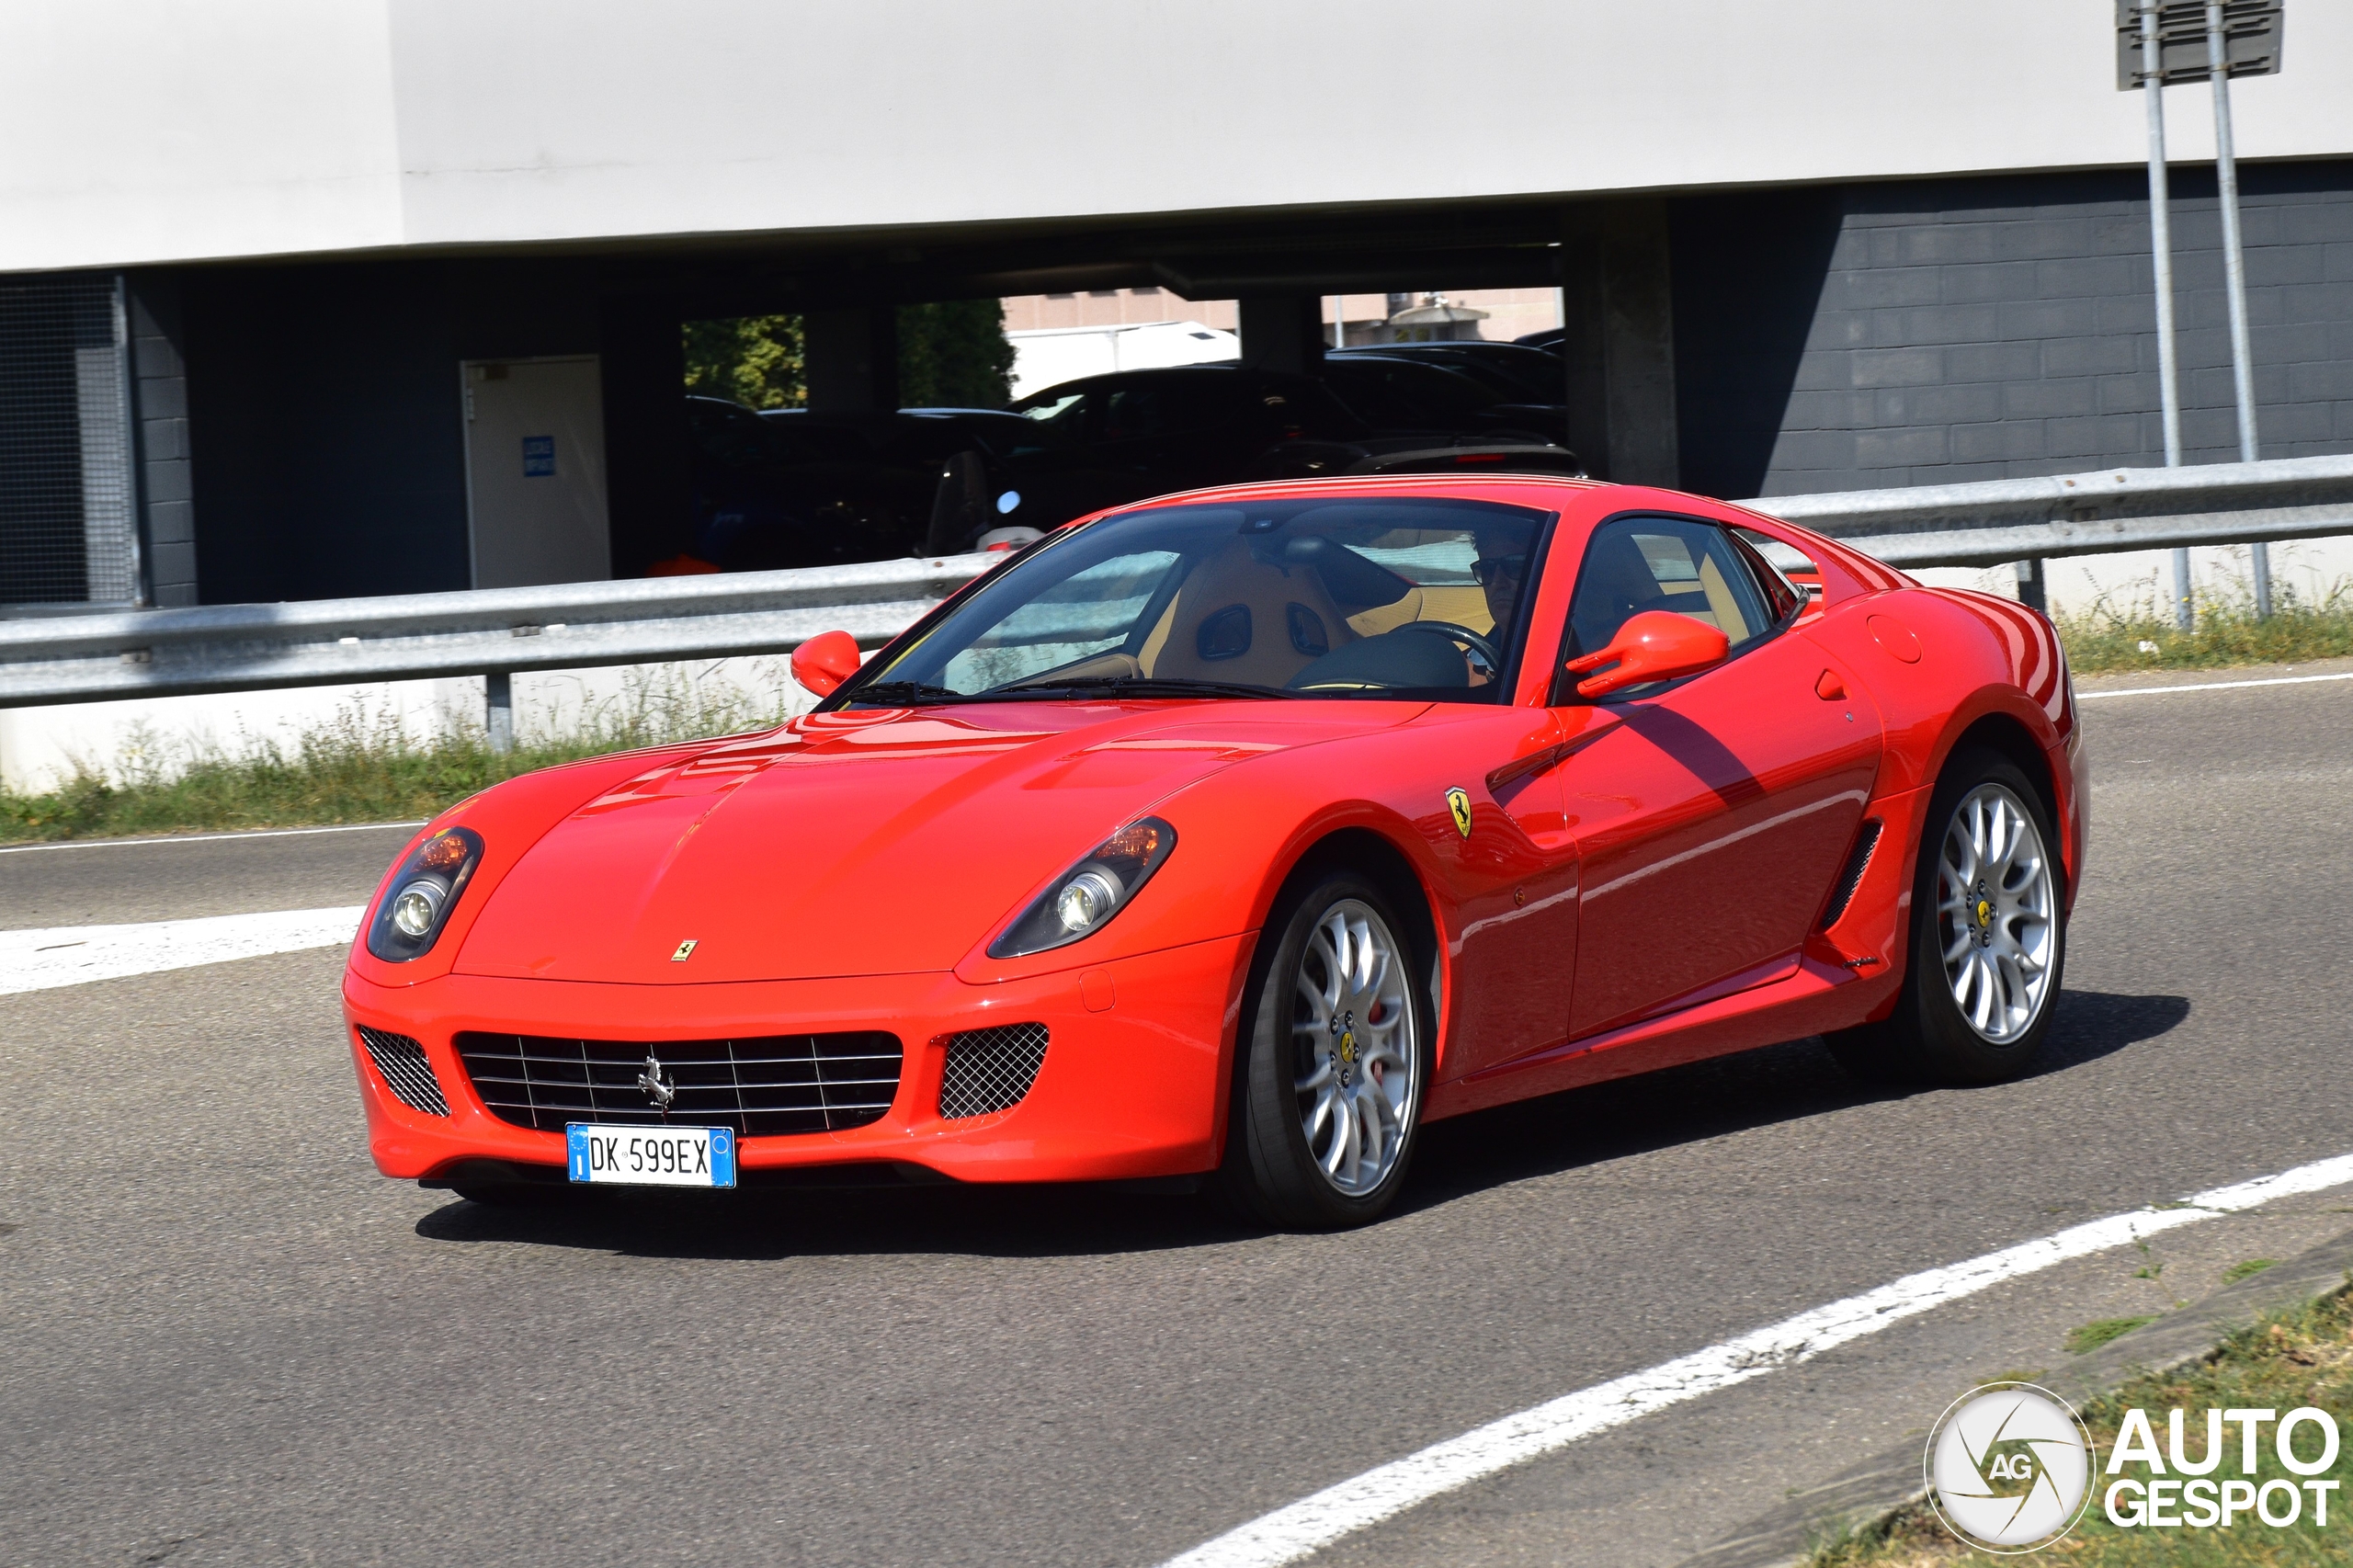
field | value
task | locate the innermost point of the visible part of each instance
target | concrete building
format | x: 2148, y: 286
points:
x: 287, y: 290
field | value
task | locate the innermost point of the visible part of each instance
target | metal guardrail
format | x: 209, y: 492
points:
x: 1994, y: 521
x: 174, y: 653
x: 498, y: 632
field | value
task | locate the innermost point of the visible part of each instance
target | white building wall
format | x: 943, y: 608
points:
x: 163, y: 130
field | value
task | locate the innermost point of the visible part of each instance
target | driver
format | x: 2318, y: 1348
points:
x: 1499, y: 570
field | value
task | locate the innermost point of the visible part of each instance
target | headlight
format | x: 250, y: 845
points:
x: 1084, y: 898
x: 425, y: 889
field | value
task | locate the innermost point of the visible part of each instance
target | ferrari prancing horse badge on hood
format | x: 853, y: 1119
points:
x: 1458, y: 801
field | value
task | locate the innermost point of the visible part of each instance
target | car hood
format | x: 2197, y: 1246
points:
x: 873, y: 842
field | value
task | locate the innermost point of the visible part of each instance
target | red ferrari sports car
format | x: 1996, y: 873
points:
x: 1237, y: 836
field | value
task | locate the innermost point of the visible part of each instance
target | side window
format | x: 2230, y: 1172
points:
x: 1061, y: 422
x: 1773, y: 563
x: 1162, y: 409
x: 1644, y: 563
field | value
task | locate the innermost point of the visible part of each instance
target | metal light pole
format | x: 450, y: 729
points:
x: 2226, y: 179
x: 2152, y: 84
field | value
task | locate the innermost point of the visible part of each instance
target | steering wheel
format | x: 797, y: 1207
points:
x: 1470, y: 639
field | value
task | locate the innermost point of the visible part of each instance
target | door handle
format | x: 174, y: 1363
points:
x: 1829, y: 688
x: 1550, y: 756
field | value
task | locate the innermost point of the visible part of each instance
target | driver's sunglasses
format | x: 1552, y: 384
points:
x: 1511, y: 567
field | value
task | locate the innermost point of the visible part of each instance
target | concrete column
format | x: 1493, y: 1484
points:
x: 1617, y: 297
x: 648, y: 462
x: 1284, y: 333
x: 159, y: 410
x: 852, y: 359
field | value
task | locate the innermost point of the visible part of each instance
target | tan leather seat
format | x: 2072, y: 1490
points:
x: 1271, y: 594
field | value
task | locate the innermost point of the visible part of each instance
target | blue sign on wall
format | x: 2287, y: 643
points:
x: 538, y: 456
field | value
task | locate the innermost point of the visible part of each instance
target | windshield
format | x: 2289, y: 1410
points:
x: 1401, y: 595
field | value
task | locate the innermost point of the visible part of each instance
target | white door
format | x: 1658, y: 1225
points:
x: 535, y: 472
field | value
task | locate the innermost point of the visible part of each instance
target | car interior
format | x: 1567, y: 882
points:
x: 1360, y: 602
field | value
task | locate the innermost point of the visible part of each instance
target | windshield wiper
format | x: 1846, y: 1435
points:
x: 906, y: 693
x: 1139, y: 685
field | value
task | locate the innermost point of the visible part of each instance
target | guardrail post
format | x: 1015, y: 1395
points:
x: 2031, y: 589
x: 498, y: 711
x: 2226, y: 188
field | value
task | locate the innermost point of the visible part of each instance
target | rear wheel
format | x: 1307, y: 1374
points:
x: 1336, y: 1045
x: 1989, y: 940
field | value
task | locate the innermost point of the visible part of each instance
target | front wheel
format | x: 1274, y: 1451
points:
x: 1989, y: 937
x: 1337, y: 1043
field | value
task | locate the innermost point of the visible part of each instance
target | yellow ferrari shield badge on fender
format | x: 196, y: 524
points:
x: 1458, y: 801
x: 685, y: 951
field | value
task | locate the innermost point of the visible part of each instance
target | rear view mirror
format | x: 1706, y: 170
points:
x: 825, y: 661
x: 1654, y: 645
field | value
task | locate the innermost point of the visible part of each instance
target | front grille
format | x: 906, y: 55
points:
x: 1851, y: 877
x: 991, y: 1069
x: 775, y: 1084
x: 402, y: 1062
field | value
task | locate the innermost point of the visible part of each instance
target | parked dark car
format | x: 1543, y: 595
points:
x: 1401, y: 391
x: 785, y: 487
x: 1513, y: 371
x: 1107, y: 439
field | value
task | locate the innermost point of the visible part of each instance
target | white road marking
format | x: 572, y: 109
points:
x: 75, y: 955
x: 1290, y: 1533
x: 2212, y: 685
x: 149, y: 843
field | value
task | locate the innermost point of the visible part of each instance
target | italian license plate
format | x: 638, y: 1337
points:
x: 651, y: 1156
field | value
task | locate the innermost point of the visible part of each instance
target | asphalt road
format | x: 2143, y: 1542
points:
x: 227, y: 1340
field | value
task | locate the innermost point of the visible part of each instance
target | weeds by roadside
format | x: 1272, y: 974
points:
x: 2299, y: 1357
x: 2107, y: 638
x: 359, y: 767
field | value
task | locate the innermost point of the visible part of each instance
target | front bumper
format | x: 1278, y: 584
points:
x: 1131, y: 1086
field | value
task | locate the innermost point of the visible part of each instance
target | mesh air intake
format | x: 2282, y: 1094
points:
x: 991, y: 1069
x: 402, y: 1062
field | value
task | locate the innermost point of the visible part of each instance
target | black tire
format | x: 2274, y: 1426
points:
x: 1927, y: 1038
x: 1270, y: 1170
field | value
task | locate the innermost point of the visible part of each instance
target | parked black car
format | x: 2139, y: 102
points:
x: 1513, y: 371
x: 785, y: 487
x: 1400, y: 391
x: 1108, y: 440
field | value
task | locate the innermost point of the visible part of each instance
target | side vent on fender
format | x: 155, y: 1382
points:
x: 1866, y: 839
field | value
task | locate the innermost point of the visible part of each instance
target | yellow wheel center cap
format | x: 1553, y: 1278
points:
x: 1348, y: 1048
x: 1984, y: 912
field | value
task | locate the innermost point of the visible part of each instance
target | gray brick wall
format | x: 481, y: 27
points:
x: 159, y: 409
x: 1939, y: 331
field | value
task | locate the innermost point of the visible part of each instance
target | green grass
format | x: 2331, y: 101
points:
x: 2246, y: 1269
x: 2108, y: 638
x: 2295, y: 1359
x: 2092, y: 1335
x: 357, y: 769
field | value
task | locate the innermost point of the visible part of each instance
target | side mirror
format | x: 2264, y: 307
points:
x: 1654, y: 645
x: 827, y: 660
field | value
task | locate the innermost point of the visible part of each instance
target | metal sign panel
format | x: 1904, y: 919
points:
x: 2251, y: 36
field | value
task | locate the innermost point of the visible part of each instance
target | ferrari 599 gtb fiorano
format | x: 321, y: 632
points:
x: 1239, y: 834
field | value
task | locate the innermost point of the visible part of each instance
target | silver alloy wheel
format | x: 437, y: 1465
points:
x: 1356, y: 1033
x: 1997, y: 908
